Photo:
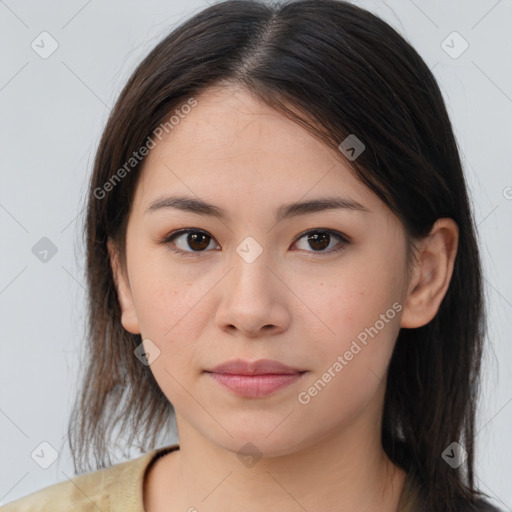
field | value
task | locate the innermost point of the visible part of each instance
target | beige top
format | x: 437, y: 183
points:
x: 119, y: 488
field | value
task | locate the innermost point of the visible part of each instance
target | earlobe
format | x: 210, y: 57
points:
x: 129, y: 318
x: 432, y: 274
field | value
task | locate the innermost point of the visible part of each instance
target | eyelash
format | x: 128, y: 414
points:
x: 344, y: 240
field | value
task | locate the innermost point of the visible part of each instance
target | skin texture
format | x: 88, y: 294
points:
x: 294, y: 303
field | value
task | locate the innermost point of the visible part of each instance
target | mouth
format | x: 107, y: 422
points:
x: 259, y: 367
x: 255, y: 386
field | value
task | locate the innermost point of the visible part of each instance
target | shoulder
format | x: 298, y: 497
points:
x: 97, y: 490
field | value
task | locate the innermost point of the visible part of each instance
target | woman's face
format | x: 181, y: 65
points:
x: 256, y: 283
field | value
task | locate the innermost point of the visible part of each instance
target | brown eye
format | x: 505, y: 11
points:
x: 188, y: 241
x: 197, y: 241
x: 320, y: 240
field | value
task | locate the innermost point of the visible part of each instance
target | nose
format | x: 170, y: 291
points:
x: 253, y: 299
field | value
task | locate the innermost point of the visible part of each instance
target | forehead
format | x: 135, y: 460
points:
x: 232, y: 144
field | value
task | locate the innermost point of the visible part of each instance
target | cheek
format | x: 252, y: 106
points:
x: 360, y: 319
x: 166, y: 296
x: 172, y: 315
x: 351, y: 363
x: 364, y: 290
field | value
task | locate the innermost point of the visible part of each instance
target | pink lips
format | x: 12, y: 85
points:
x: 255, y: 379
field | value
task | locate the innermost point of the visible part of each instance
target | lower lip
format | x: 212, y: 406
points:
x: 256, y: 386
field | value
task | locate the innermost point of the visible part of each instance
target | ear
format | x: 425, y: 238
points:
x: 432, y: 273
x: 129, y: 318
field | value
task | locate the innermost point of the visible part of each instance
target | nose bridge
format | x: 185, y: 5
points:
x: 250, y: 300
x: 251, y: 273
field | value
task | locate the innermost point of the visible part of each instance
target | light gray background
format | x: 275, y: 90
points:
x: 52, y: 113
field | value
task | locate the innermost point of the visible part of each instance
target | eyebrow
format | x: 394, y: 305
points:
x: 201, y: 207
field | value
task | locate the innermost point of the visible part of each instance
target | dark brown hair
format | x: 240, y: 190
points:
x: 335, y: 69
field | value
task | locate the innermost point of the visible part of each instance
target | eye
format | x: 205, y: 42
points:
x: 320, y: 239
x: 199, y: 241
x: 196, y: 239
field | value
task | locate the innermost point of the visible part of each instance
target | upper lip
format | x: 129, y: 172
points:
x: 260, y: 367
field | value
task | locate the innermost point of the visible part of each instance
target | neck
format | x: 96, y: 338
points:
x: 349, y: 471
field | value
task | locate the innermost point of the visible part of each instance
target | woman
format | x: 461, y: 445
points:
x: 281, y: 255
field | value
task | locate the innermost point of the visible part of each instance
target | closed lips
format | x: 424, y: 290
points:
x: 260, y: 367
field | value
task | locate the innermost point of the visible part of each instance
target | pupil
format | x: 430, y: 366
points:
x: 194, y: 244
x: 322, y: 237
